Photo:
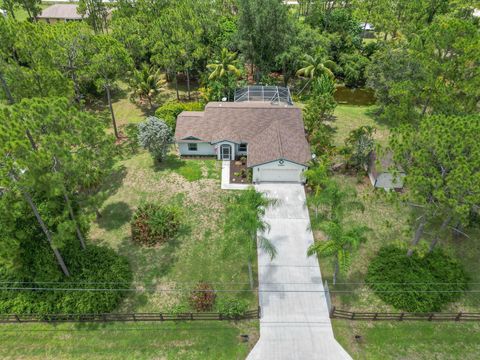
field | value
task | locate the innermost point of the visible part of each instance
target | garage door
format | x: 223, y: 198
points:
x: 280, y: 175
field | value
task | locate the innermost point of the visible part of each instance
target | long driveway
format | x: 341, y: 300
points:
x: 295, y: 322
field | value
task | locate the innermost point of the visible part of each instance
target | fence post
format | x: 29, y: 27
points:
x: 259, y: 312
x: 220, y: 317
x: 375, y: 316
x: 327, y: 296
x: 353, y: 316
x: 161, y: 317
x: 134, y: 317
x: 459, y: 315
x: 332, y: 312
x: 431, y: 317
x: 191, y: 316
x: 401, y: 316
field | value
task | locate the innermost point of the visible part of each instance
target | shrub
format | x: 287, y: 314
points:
x: 203, y: 297
x: 94, y: 267
x: 171, y: 110
x: 154, y: 224
x: 232, y: 307
x: 155, y: 136
x: 424, y: 282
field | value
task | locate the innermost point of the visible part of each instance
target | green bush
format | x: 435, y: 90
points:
x: 232, y: 307
x: 96, y: 267
x: 169, y: 111
x: 420, y: 283
x: 154, y: 224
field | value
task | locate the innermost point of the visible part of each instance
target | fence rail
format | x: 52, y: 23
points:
x: 402, y: 316
x: 124, y: 317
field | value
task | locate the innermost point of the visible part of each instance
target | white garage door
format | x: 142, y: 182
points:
x: 280, y: 175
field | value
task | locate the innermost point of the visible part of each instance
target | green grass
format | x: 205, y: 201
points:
x: 198, y: 253
x: 388, y: 221
x: 409, y: 340
x: 349, y: 117
x: 198, y: 340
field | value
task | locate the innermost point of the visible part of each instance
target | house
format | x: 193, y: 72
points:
x: 381, y: 175
x: 60, y: 12
x: 269, y: 132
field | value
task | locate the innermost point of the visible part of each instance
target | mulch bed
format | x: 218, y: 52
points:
x: 236, y: 167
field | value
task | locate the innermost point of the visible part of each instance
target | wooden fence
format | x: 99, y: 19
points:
x: 124, y: 317
x: 402, y: 316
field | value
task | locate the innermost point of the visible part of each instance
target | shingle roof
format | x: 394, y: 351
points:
x: 61, y: 11
x: 272, y: 131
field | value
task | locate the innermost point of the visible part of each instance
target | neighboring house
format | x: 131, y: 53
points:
x: 270, y: 135
x: 380, y: 174
x: 60, y: 12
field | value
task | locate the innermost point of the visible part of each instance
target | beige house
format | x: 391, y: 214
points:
x: 60, y: 13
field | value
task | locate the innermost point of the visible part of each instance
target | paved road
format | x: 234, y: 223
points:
x: 295, y: 322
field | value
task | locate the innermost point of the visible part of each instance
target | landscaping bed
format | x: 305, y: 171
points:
x: 239, y: 172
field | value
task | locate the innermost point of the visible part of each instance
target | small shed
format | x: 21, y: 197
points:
x: 381, y: 174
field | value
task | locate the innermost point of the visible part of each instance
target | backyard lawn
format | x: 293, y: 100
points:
x: 388, y: 221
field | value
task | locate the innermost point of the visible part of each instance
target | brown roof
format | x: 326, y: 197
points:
x: 272, y: 131
x: 61, y: 11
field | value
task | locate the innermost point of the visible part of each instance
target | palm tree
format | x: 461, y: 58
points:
x: 315, y: 66
x: 146, y: 83
x: 227, y: 65
x: 245, y: 222
x: 340, y: 244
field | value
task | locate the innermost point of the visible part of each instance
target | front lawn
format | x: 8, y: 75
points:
x: 195, y: 340
x: 196, y: 255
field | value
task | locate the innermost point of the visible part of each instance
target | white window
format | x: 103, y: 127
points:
x: 192, y: 147
x: 242, y: 147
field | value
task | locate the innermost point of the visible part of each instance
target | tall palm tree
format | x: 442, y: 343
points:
x: 227, y: 65
x: 340, y: 244
x: 315, y: 66
x: 245, y: 222
x: 146, y: 83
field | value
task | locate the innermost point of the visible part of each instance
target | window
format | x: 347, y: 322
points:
x: 242, y: 147
x: 192, y: 147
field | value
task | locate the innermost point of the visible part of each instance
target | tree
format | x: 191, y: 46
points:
x: 146, y: 83
x: 32, y: 8
x: 358, y: 146
x: 227, y: 65
x: 341, y: 242
x: 245, y: 227
x: 434, y: 71
x: 264, y: 28
x: 225, y: 71
x: 442, y: 164
x: 353, y: 69
x: 109, y: 62
x: 320, y: 105
x: 155, y: 136
x: 49, y: 151
x: 96, y: 13
x: 316, y: 66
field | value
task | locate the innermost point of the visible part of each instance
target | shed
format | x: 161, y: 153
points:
x: 382, y: 172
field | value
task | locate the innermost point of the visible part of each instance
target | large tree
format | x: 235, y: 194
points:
x: 441, y: 158
x: 50, y: 152
x: 109, y: 63
x: 264, y: 29
x: 433, y: 72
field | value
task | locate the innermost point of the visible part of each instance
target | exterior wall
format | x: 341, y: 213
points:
x: 203, y: 148
x: 272, y: 171
x: 240, y: 153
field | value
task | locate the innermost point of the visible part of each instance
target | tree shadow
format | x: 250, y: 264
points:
x: 171, y: 162
x: 114, y: 215
x: 114, y: 181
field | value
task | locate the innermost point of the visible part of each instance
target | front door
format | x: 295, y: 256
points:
x: 225, y: 152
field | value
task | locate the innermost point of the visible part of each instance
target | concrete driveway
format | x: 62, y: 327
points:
x: 295, y: 321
